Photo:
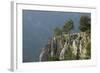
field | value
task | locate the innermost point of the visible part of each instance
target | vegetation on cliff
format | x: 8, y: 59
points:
x: 65, y: 45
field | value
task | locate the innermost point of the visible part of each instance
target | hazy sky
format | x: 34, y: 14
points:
x: 38, y: 27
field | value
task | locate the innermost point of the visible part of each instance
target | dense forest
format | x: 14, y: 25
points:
x: 68, y: 45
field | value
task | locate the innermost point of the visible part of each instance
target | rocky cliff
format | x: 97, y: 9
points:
x: 74, y: 46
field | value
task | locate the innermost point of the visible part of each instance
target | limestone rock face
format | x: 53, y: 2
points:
x: 63, y: 51
x: 73, y: 46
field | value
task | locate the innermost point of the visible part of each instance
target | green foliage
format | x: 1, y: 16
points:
x: 53, y: 58
x: 88, y: 48
x: 68, y: 26
x: 57, y: 31
x: 85, y: 23
x: 69, y: 55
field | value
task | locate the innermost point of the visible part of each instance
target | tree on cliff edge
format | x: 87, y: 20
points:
x: 68, y: 26
x: 85, y: 23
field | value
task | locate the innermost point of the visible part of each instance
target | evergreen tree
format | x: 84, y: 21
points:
x: 85, y: 23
